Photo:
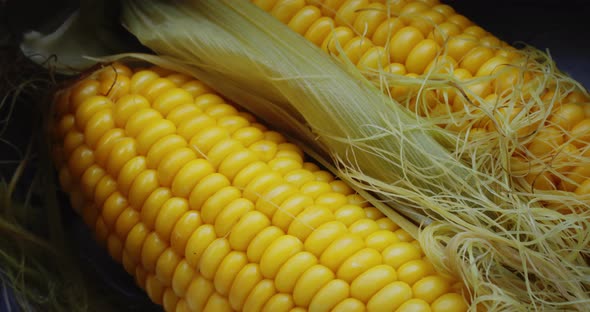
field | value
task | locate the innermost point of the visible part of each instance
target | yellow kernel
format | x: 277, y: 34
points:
x: 373, y: 58
x: 195, y: 88
x: 257, y: 186
x: 340, y: 250
x: 308, y: 220
x: 284, y: 165
x: 262, y: 241
x: 152, y: 205
x: 154, y: 289
x: 303, y: 19
x: 400, y: 253
x: 349, y: 305
x: 182, y: 230
x: 197, y: 243
x: 221, y: 150
x: 153, y: 247
x: 363, y: 227
x: 237, y: 165
x: 105, y: 187
x: 386, y: 30
x: 129, y: 172
x: 162, y: 147
x: 170, y: 99
x: 450, y: 302
x: 166, y: 265
x: 230, y: 215
x: 260, y: 295
x: 277, y: 253
x: 387, y: 224
x: 323, y: 236
x: 337, y: 39
x: 403, y: 236
x: 414, y: 270
x: 358, y: 263
x: 198, y: 293
x: 246, y: 229
x: 212, y: 257
x: 283, y: 10
x: 330, y: 295
x: 140, y: 120
x: 390, y: 297
x: 211, y: 100
x: 221, y: 198
x: 289, y: 209
x: 156, y: 88
x: 169, y: 300
x: 189, y: 176
x: 292, y: 269
x: 369, y: 19
x: 128, y: 105
x: 299, y: 177
x: 183, y: 275
x: 430, y: 288
x: 248, y: 277
x: 248, y: 135
x: 201, y: 131
x: 414, y: 305
x: 112, y: 209
x: 171, y: 211
x: 458, y: 46
x: 272, y: 198
x: 279, y: 302
x: 310, y: 282
x: 206, y: 188
x: 172, y: 163
x: 368, y: 283
x: 403, y: 42
x: 80, y: 160
x: 264, y: 149
x: 319, y: 30
x: 474, y: 59
x: 82, y: 91
x: 580, y: 133
x: 90, y: 107
x: 141, y: 79
x: 135, y: 240
x: 546, y: 141
x: 123, y: 151
x: 348, y: 214
x: 421, y: 55
x: 88, y: 181
x: 126, y: 221
x: 228, y: 270
x: 150, y: 135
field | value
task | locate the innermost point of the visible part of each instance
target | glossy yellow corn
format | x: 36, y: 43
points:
x: 423, y: 35
x: 211, y: 211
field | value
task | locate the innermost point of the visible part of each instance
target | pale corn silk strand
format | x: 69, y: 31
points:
x: 514, y: 253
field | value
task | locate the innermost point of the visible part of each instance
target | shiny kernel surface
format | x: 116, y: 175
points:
x: 211, y: 211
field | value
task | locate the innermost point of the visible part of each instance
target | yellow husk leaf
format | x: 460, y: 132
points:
x: 513, y: 253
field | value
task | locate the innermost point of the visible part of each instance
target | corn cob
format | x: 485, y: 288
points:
x: 412, y: 38
x: 211, y: 211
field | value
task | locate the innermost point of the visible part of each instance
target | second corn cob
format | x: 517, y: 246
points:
x: 414, y: 37
x: 211, y: 211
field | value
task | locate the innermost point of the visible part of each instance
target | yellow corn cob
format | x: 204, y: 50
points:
x: 410, y: 37
x: 211, y: 211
